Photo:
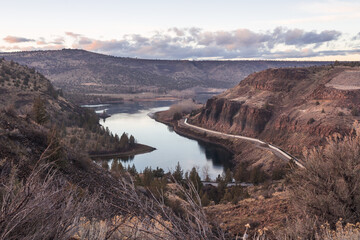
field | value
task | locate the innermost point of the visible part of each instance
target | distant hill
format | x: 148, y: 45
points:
x: 80, y: 71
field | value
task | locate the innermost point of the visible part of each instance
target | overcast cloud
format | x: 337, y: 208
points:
x: 193, y: 43
x: 12, y: 39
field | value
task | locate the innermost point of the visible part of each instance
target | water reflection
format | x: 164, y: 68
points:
x: 171, y: 148
x: 218, y: 155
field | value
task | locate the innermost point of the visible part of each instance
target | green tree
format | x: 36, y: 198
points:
x: 124, y: 141
x: 148, y: 176
x: 195, y: 179
x: 158, y: 172
x: 241, y: 173
x: 131, y: 141
x: 178, y: 174
x: 132, y: 170
x: 228, y: 176
x: 39, y: 111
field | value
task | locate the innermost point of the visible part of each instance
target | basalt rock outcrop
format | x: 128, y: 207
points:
x: 294, y: 108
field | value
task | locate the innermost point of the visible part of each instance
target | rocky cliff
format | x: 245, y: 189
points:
x: 290, y: 107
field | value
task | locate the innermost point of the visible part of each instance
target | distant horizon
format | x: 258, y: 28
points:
x: 155, y: 59
x: 307, y: 30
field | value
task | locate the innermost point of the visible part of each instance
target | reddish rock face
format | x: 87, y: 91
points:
x: 234, y: 117
x: 291, y: 108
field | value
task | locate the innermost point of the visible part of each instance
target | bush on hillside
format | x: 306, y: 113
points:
x: 328, y: 189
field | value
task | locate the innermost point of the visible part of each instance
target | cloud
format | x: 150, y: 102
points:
x: 13, y: 39
x: 356, y: 37
x: 195, y: 43
x: 74, y: 35
x: 183, y: 43
x: 58, y: 41
x: 299, y: 37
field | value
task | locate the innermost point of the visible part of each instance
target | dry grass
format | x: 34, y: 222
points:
x: 183, y: 107
x: 329, y: 188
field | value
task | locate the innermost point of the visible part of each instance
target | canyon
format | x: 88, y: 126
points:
x: 293, y: 108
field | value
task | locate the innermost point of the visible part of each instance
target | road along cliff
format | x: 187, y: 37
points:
x: 292, y: 108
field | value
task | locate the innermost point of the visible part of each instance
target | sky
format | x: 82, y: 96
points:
x: 182, y: 29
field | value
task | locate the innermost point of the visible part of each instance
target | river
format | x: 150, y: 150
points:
x: 171, y: 148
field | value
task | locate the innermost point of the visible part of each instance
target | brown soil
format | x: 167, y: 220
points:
x: 261, y: 212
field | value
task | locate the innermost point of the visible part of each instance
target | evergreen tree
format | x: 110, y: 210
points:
x: 148, y: 176
x: 228, y: 176
x: 195, y: 179
x: 158, y: 172
x: 124, y: 141
x: 39, y: 111
x: 241, y: 173
x: 178, y: 174
x: 132, y: 140
x: 132, y: 170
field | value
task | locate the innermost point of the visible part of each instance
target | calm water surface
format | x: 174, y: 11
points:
x: 171, y: 148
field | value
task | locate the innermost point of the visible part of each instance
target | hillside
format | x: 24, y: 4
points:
x: 292, y: 107
x: 33, y: 114
x: 80, y: 71
x: 51, y: 189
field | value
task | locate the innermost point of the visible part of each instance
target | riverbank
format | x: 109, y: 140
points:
x: 137, y: 149
x: 186, y: 132
x: 253, y: 155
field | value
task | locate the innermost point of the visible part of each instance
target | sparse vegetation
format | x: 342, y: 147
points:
x: 328, y: 188
x: 146, y: 76
x: 184, y: 107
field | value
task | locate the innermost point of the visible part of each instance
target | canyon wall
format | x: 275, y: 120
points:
x: 291, y: 107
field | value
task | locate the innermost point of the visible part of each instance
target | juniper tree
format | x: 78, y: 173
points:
x: 39, y: 111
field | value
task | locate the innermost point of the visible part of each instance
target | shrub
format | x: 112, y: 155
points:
x: 266, y: 106
x: 311, y: 121
x: 257, y: 175
x: 43, y: 206
x: 347, y: 232
x: 279, y: 173
x: 341, y: 114
x: 234, y: 194
x: 355, y: 112
x: 329, y: 187
x: 73, y: 139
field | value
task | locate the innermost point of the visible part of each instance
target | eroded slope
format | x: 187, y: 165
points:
x: 291, y: 107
